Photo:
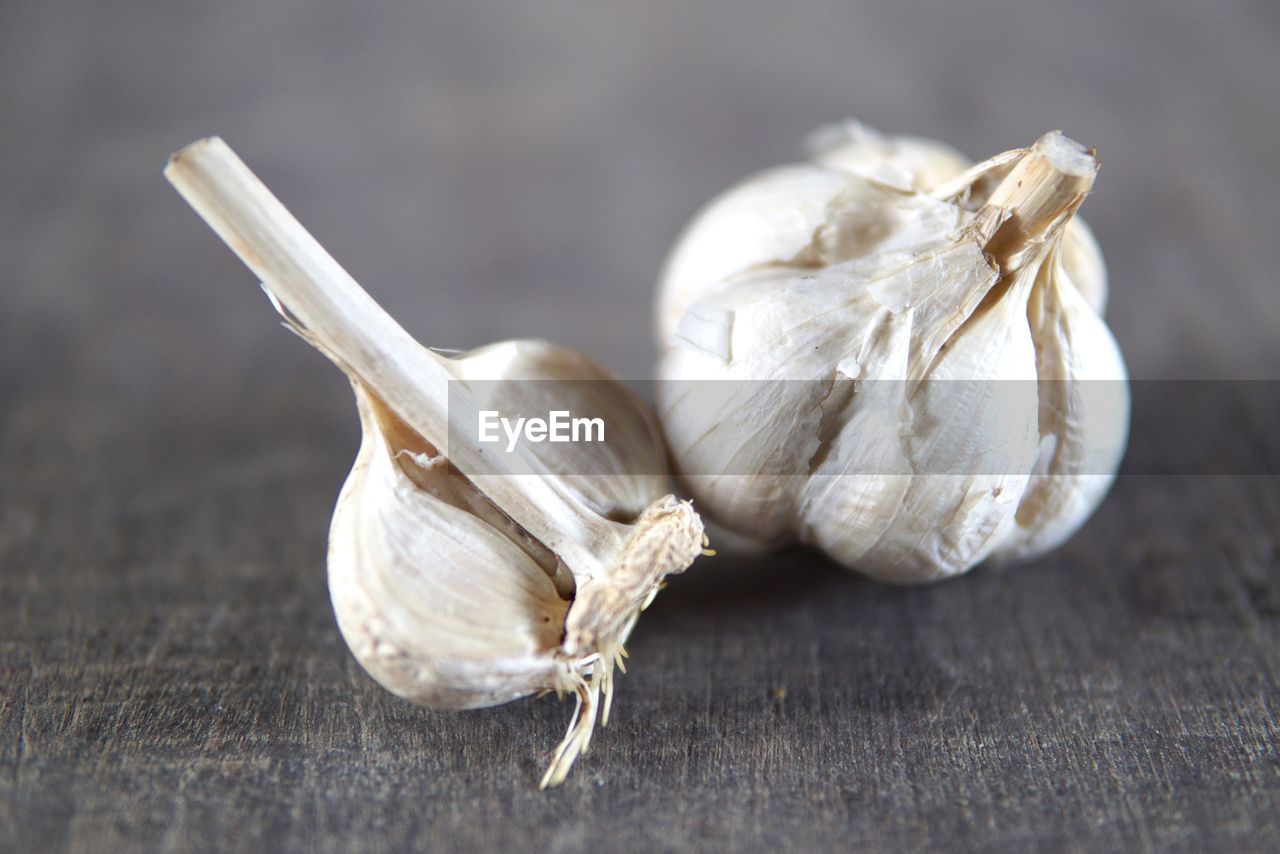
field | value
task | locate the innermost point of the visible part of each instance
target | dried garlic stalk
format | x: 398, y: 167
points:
x: 462, y: 579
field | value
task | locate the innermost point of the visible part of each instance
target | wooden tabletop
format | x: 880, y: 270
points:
x: 171, y: 676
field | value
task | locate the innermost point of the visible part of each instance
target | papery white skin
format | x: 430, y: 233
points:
x: 408, y: 526
x: 819, y: 212
x: 461, y: 579
x: 448, y: 602
x: 867, y: 266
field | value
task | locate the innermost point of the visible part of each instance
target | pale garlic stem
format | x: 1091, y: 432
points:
x: 309, y: 283
x: 1040, y: 193
x: 366, y: 342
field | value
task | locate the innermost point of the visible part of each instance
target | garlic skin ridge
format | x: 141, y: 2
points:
x: 460, y: 580
x: 871, y: 277
x: 793, y: 215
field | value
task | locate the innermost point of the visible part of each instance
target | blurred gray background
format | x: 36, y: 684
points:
x: 495, y: 170
x: 168, y: 456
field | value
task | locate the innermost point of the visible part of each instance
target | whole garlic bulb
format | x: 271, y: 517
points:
x: 895, y: 358
x: 462, y: 579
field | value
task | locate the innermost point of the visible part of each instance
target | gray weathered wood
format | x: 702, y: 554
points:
x: 170, y: 674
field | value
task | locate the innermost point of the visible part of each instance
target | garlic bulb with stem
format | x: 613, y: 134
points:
x: 462, y: 579
x: 915, y: 163
x: 813, y: 212
x: 911, y: 379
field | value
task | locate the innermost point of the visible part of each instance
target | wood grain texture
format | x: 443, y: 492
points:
x: 170, y: 674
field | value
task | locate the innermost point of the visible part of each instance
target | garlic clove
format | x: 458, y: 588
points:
x: 1080, y: 262
x: 973, y: 437
x: 769, y: 220
x: 462, y: 578
x: 773, y: 343
x: 797, y: 217
x: 1084, y: 420
x: 397, y: 555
